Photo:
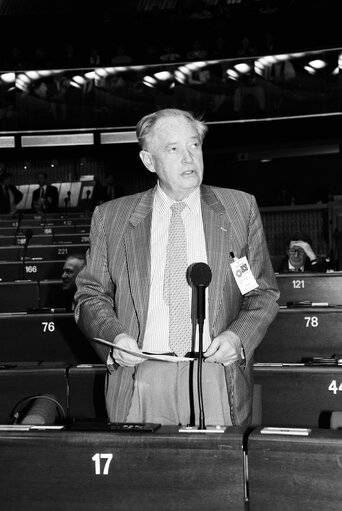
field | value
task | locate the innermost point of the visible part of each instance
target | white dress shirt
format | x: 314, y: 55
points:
x: 156, y: 339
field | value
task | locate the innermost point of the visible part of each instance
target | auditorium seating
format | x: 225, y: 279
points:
x: 46, y: 229
x: 299, y: 395
x: 31, y: 270
x: 46, y: 239
x: 296, y: 363
x: 97, y: 470
x: 299, y: 333
x: 18, y: 296
x: 89, y: 466
x: 49, y: 337
x: 19, y: 381
x: 86, y: 384
x: 293, y: 472
x: 40, y: 252
x: 316, y: 287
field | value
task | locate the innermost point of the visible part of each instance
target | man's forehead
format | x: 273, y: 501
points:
x: 168, y: 128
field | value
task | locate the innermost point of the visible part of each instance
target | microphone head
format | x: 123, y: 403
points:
x: 199, y: 275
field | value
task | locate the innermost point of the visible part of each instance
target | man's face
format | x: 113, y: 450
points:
x: 41, y: 179
x: 175, y: 155
x: 71, y: 269
x: 296, y: 255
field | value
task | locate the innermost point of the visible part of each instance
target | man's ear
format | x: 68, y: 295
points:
x: 147, y: 160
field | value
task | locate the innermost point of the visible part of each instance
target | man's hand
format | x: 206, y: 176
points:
x: 121, y: 357
x: 224, y: 349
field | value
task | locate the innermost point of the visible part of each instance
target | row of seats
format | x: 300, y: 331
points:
x: 40, y: 252
x: 77, y: 388
x: 46, y: 229
x: 297, y: 363
x: 39, y: 221
x: 45, y: 239
x: 301, y: 333
x: 48, y: 337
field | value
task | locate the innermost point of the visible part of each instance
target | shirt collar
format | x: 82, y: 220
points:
x: 292, y: 268
x: 163, y: 202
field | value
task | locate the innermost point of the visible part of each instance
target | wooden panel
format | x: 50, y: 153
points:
x: 26, y: 380
x: 32, y: 270
x: 40, y: 252
x: 48, y: 229
x: 47, y: 337
x: 51, y: 294
x: 301, y: 333
x: 292, y: 473
x: 299, y: 396
x: 18, y: 296
x: 316, y: 287
x: 86, y: 391
x: 162, y: 470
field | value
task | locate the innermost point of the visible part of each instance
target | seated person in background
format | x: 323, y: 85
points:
x: 301, y: 257
x: 44, y: 198
x: 72, y: 266
x: 10, y: 196
x: 105, y: 191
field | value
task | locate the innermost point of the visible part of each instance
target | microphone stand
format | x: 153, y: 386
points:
x: 17, y: 231
x: 27, y: 241
x: 200, y: 292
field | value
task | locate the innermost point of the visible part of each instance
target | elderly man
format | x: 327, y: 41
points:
x: 134, y: 292
x: 300, y: 256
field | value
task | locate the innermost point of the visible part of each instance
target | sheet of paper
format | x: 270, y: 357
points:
x: 141, y: 354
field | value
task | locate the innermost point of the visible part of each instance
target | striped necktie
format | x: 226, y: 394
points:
x: 176, y: 289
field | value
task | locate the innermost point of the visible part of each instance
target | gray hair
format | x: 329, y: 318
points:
x: 145, y: 125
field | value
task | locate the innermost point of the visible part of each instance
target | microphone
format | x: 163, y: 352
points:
x: 20, y: 218
x: 28, y: 236
x: 199, y: 277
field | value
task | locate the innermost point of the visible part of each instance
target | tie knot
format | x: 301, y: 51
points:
x: 177, y: 207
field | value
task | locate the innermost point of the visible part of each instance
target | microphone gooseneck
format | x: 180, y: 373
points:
x: 28, y: 236
x: 199, y: 277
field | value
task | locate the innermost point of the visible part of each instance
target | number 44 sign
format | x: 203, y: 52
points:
x: 334, y: 387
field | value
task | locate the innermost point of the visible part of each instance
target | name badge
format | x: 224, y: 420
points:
x: 243, y: 275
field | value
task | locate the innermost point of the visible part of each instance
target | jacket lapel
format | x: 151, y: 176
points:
x: 217, y: 231
x: 138, y: 255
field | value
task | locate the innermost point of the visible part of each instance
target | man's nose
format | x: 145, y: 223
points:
x: 187, y: 156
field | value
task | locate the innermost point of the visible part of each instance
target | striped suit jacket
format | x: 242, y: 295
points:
x: 113, y: 288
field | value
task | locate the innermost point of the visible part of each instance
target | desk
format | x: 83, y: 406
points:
x: 18, y: 296
x: 292, y: 473
x: 40, y: 252
x: 301, y: 332
x: 316, y: 287
x: 33, y: 270
x: 299, y: 396
x: 91, y: 471
x: 47, y: 229
x: 29, y: 379
x: 86, y: 385
x: 47, y: 337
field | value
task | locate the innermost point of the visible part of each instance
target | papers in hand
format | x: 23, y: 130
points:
x: 141, y: 354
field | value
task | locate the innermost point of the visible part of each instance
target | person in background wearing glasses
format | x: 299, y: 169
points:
x: 300, y: 256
